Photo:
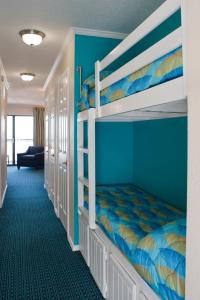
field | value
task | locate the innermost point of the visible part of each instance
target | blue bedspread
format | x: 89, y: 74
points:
x: 128, y: 215
x: 165, y: 68
x: 160, y: 260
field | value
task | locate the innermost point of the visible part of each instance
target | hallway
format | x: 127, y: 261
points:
x: 36, y: 260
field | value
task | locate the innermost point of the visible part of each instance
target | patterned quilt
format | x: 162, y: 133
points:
x: 165, y: 68
x: 127, y: 215
x: 160, y: 260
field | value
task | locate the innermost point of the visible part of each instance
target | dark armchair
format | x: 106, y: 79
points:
x: 33, y: 157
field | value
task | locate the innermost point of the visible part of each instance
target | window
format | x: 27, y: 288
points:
x: 19, y: 136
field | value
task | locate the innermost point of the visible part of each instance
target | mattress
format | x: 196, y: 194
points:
x: 160, y: 260
x: 167, y: 67
x: 127, y: 215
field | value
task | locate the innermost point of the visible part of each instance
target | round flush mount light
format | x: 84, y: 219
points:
x: 27, y: 76
x: 32, y: 37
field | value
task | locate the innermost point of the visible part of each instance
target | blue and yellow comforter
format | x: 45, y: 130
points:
x: 166, y: 68
x: 128, y: 215
x: 160, y: 259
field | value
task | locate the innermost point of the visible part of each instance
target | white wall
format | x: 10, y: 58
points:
x: 20, y: 109
x: 3, y: 104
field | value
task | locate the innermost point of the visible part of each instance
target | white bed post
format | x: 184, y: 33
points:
x: 97, y: 86
x: 80, y: 164
x: 192, y: 25
x: 91, y: 168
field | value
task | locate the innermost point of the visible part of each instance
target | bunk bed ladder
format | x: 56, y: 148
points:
x: 90, y: 183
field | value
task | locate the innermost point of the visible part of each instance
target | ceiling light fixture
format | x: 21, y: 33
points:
x: 27, y: 76
x: 32, y: 37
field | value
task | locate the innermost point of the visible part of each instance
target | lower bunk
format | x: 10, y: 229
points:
x: 137, y: 250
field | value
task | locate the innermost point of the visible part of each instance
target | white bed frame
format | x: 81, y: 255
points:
x: 113, y: 273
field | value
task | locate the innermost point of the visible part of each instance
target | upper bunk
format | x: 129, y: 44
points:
x: 149, y: 86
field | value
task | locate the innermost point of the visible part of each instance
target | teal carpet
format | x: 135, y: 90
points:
x: 36, y: 261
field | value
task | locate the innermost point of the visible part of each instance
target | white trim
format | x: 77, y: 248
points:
x: 49, y: 196
x: 73, y: 247
x: 91, y: 169
x: 98, y: 261
x: 147, y: 116
x: 84, y: 181
x: 83, y: 116
x: 80, y: 163
x: 164, y: 93
x: 4, y: 195
x: 98, y: 85
x: 84, y: 238
x: 83, y: 150
x: 191, y: 25
x: 56, y: 212
x: 83, y: 212
x: 4, y: 74
x: 91, y: 181
x: 58, y: 59
x: 99, y: 33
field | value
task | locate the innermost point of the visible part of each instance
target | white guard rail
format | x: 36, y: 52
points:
x: 167, y: 44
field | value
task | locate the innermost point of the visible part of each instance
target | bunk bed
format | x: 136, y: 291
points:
x: 132, y: 242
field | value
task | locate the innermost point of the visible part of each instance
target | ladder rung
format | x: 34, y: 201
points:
x: 84, y: 181
x: 83, y: 116
x: 80, y: 120
x: 83, y: 150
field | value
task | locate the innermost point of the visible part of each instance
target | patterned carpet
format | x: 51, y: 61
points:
x: 36, y: 261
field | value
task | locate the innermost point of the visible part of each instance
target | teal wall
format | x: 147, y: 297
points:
x: 88, y: 49
x: 150, y: 154
x: 114, y: 148
x: 114, y: 153
x: 160, y: 158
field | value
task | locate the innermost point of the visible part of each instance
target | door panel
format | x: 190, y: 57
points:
x: 62, y: 141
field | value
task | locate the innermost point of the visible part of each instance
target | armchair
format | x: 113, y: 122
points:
x: 33, y: 157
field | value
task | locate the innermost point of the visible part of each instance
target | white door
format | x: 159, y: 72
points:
x: 46, y: 152
x: 51, y: 170
x: 62, y: 146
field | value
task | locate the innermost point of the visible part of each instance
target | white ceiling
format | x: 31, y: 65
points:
x: 54, y: 17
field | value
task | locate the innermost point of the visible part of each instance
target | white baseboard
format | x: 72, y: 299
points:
x: 3, y: 197
x: 50, y: 196
x: 56, y: 212
x: 73, y: 247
